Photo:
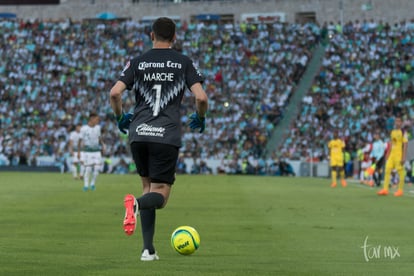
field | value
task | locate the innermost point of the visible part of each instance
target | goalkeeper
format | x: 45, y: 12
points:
x: 159, y: 79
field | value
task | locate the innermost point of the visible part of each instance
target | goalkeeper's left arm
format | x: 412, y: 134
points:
x: 201, y: 100
x: 198, y: 119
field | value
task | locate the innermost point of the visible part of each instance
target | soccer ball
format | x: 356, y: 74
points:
x: 185, y: 240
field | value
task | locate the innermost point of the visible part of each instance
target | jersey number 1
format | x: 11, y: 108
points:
x: 156, y: 108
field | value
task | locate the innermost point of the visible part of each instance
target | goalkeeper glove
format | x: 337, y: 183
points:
x: 123, y: 121
x: 197, y: 122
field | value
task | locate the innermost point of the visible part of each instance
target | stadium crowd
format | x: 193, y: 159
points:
x: 361, y: 86
x: 52, y: 74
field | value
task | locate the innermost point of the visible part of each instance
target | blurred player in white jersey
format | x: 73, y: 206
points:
x: 90, y: 143
x: 76, y: 167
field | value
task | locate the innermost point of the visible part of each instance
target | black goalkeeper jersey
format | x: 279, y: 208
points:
x: 159, y: 79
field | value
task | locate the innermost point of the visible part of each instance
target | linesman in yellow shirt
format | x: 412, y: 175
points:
x: 336, y: 154
x: 395, y: 157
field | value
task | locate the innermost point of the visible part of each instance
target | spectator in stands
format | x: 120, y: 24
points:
x: 121, y: 168
x: 285, y: 168
x: 181, y: 165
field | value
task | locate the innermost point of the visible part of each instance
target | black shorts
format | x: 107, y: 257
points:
x: 156, y: 161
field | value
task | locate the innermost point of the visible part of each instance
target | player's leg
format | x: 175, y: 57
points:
x: 87, y: 173
x: 162, y: 174
x: 97, y: 164
x: 156, y: 165
x: 74, y: 165
x: 368, y: 173
x: 401, y: 178
x: 160, y: 170
x: 81, y: 165
x: 376, y: 177
x: 389, y: 166
x: 342, y: 174
x: 88, y: 165
x: 334, y: 174
x: 74, y: 169
x: 148, y: 217
x: 378, y: 172
x: 140, y: 154
x: 361, y: 174
x: 95, y: 172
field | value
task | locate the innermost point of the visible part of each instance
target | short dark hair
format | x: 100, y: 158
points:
x: 92, y: 114
x: 164, y: 29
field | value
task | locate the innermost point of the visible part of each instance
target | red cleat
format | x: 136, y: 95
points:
x: 131, y: 212
x: 399, y: 193
x: 383, y: 192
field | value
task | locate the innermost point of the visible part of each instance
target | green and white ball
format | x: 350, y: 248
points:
x: 185, y: 240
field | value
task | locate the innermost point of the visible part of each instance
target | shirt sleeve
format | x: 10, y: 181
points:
x: 128, y: 75
x: 193, y: 75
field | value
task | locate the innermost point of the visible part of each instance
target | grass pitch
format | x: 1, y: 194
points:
x: 248, y: 226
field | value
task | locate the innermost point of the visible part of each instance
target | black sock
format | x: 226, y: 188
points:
x: 147, y: 217
x: 151, y: 200
x: 147, y: 205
